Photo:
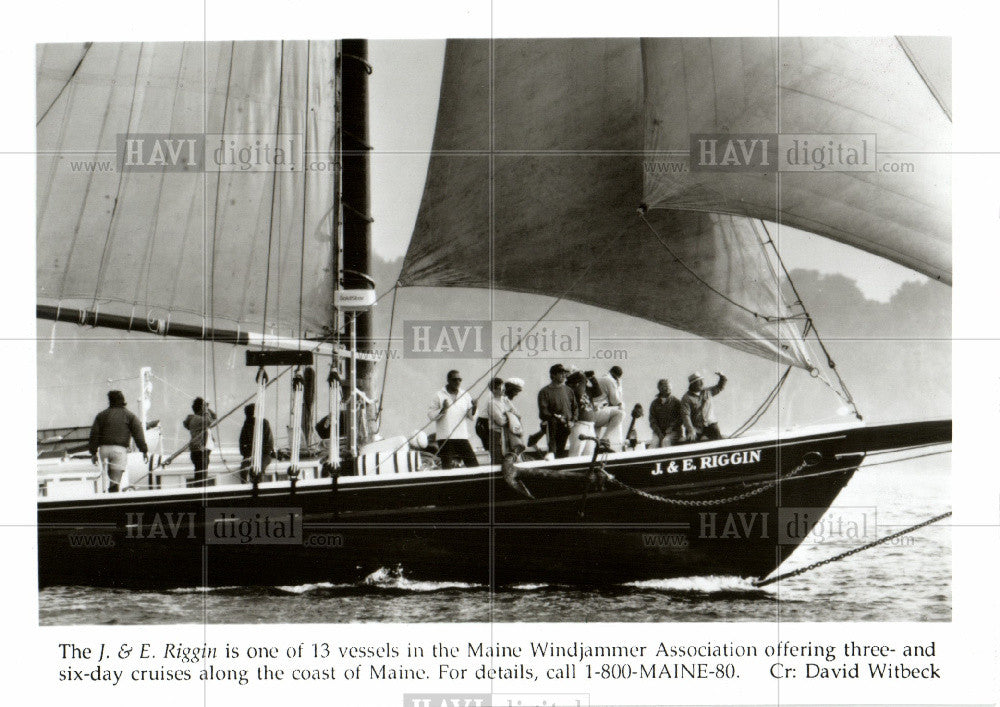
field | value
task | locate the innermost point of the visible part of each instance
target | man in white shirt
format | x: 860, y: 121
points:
x: 610, y: 412
x: 496, y: 409
x: 451, y: 409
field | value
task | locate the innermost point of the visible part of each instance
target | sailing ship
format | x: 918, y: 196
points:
x: 542, y: 180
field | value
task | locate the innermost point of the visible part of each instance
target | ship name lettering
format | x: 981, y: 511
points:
x: 716, y: 461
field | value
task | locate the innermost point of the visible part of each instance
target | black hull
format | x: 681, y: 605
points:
x: 475, y: 526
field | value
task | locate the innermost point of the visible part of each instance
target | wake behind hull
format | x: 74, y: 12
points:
x: 731, y: 506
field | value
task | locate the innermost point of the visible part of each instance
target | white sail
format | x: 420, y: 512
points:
x: 900, y: 210
x: 189, y: 245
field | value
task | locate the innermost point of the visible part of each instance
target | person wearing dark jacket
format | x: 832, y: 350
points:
x: 113, y: 430
x: 557, y: 410
x: 666, y: 418
x: 199, y: 424
x: 246, y: 444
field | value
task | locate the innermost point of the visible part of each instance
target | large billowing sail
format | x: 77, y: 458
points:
x: 564, y: 147
x: 892, y: 89
x: 191, y: 241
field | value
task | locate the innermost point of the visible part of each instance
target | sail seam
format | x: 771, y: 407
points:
x: 121, y: 179
x: 695, y: 275
x: 151, y: 242
x: 90, y: 182
x: 933, y: 91
x: 215, y: 230
x: 305, y: 192
x: 218, y: 184
x: 86, y: 50
x: 274, y: 187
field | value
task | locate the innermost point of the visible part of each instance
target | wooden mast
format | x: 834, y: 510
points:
x: 354, y: 187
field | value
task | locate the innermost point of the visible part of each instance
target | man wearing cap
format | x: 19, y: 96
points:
x: 667, y: 419
x: 697, y: 406
x: 451, y: 410
x: 557, y: 410
x: 512, y: 387
x: 110, y: 435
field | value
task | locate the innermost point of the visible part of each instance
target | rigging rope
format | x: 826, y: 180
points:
x: 696, y: 276
x: 848, y: 398
x: 757, y: 414
x: 385, y: 371
x: 848, y: 553
x: 86, y: 49
x: 923, y: 76
x: 305, y: 196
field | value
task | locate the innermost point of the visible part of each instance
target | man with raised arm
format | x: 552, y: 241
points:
x: 697, y: 406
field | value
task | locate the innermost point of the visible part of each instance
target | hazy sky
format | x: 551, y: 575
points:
x: 404, y: 101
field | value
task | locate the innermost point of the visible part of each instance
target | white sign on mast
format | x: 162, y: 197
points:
x: 354, y: 300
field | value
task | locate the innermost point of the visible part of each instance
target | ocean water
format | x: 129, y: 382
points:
x: 905, y: 580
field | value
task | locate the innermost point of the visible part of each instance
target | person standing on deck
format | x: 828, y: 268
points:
x: 515, y: 426
x: 557, y: 410
x: 110, y: 435
x: 482, y: 423
x: 451, y: 409
x: 610, y: 408
x: 666, y: 418
x: 585, y: 416
x: 199, y: 424
x: 246, y: 444
x: 697, y: 406
x: 497, y: 407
